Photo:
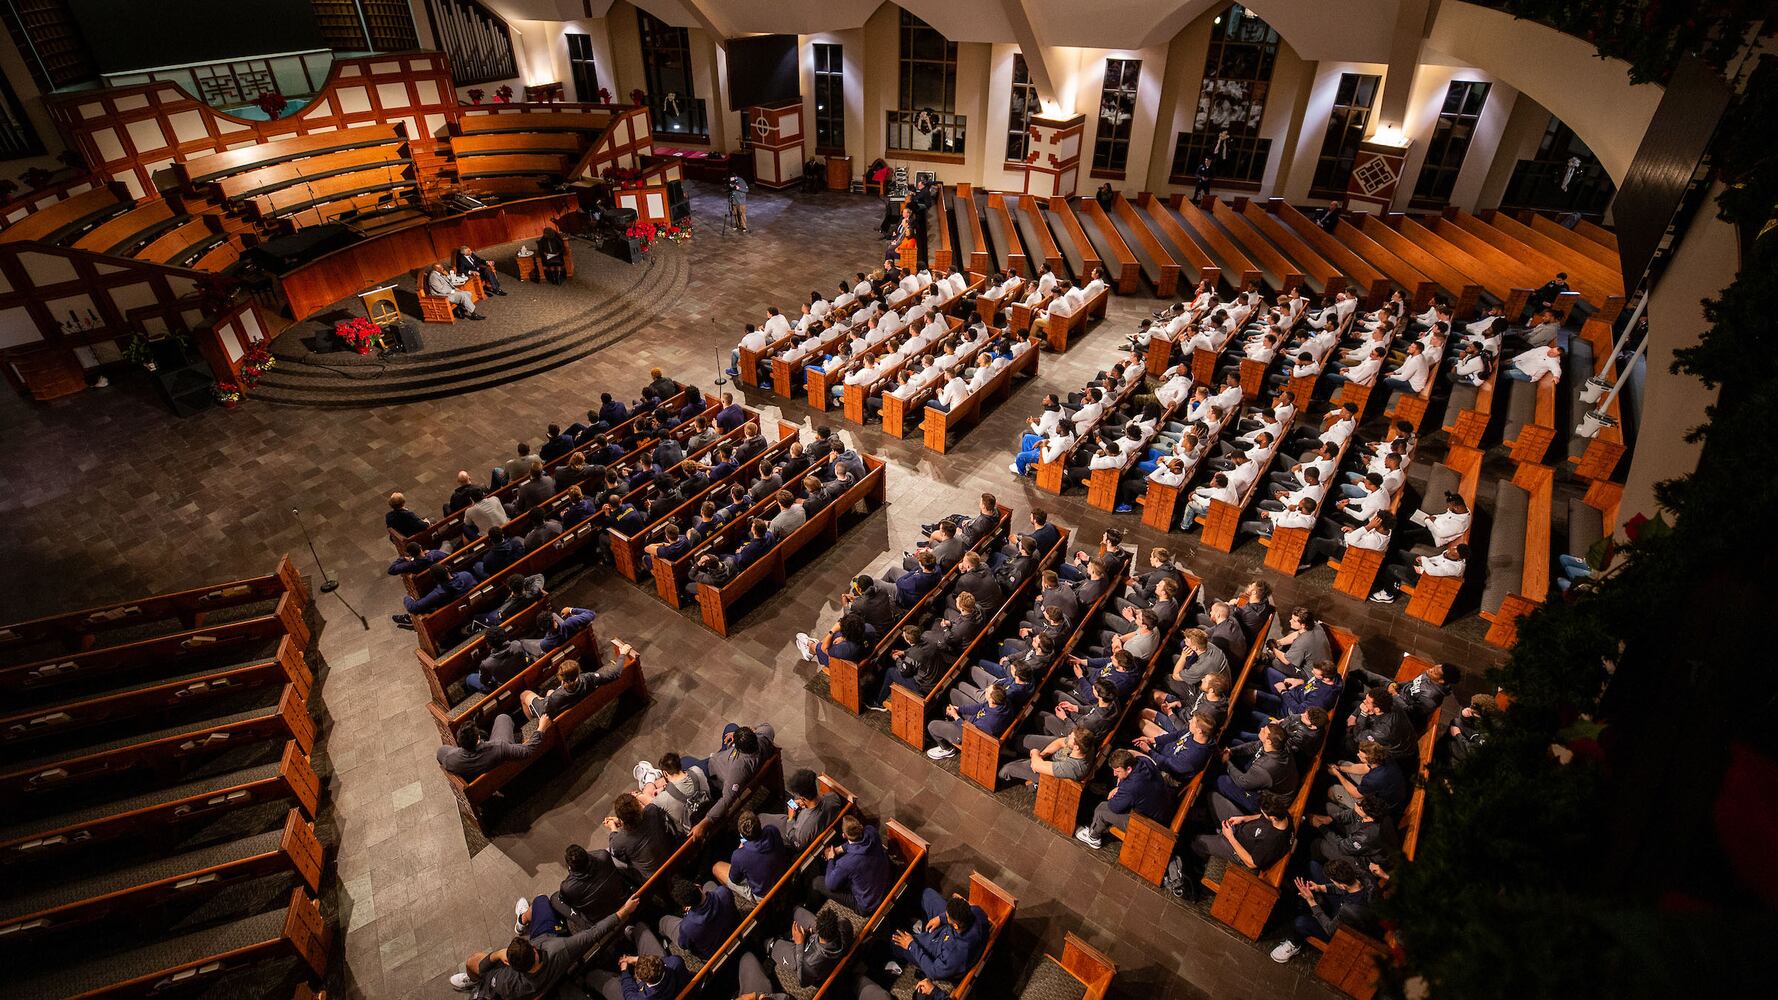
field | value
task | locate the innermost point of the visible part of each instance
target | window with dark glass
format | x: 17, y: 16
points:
x: 1231, y: 103
x: 666, y: 73
x: 1564, y: 176
x: 1024, y: 105
x: 580, y: 66
x: 1345, y: 130
x: 830, y: 99
x: 1450, y: 142
x: 1117, y: 114
x: 925, y: 118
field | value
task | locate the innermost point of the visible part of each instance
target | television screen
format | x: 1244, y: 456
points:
x: 127, y: 35
x: 762, y: 71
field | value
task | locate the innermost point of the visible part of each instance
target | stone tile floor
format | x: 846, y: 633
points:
x: 108, y: 497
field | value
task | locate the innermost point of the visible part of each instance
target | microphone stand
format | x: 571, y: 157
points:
x: 329, y: 584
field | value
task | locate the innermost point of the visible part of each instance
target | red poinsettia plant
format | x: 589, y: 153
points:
x: 255, y: 363
x: 604, y: 95
x: 227, y: 393
x: 644, y: 233
x: 272, y: 103
x: 503, y: 94
x: 677, y: 234
x: 359, y: 334
x: 476, y: 94
x: 638, y: 97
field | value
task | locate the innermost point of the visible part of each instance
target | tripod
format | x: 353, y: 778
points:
x: 732, y: 220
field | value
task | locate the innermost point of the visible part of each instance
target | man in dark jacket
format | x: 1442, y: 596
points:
x: 473, y: 755
x: 1379, y: 718
x: 743, y: 752
x: 437, y: 589
x: 731, y: 415
x: 859, y: 872
x: 758, y: 863
x: 1272, y: 769
x: 401, y: 520
x: 593, y: 887
x: 810, y: 811
x: 1343, y: 898
x: 642, y: 838
x: 816, y: 944
x: 950, y: 940
x: 527, y: 968
x: 706, y: 918
x: 1139, y: 790
x: 910, y: 587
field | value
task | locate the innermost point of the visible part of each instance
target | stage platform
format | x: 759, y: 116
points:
x: 533, y: 328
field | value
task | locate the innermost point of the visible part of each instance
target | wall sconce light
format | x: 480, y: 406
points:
x: 1390, y: 135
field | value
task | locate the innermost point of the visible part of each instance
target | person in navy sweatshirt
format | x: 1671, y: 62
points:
x: 564, y: 625
x: 859, y: 871
x: 731, y: 415
x: 758, y: 864
x: 913, y: 584
x: 992, y: 715
x: 611, y: 412
x: 1139, y: 790
x: 640, y: 977
x: 501, y: 551
x: 1185, y: 753
x: 950, y: 939
x: 708, y: 916
x: 1293, y: 695
x: 417, y: 560
x: 437, y: 589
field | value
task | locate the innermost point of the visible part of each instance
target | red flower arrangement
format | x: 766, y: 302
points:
x: 638, y: 97
x: 255, y: 363
x: 503, y: 95
x: 359, y: 334
x: 604, y: 95
x: 272, y: 103
x: 644, y: 233
x: 476, y: 94
x: 623, y: 177
x: 677, y: 234
x: 227, y: 393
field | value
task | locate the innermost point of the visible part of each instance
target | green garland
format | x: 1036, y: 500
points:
x: 1534, y: 877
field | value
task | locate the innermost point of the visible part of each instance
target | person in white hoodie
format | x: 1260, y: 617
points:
x: 1298, y: 515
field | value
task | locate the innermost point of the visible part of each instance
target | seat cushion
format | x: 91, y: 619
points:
x: 1506, y: 545
x: 1443, y: 479
x: 1586, y: 525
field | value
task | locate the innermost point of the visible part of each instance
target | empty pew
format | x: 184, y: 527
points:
x: 969, y: 230
x: 944, y: 251
x: 1071, y: 239
x: 1500, y: 270
x: 1601, y: 287
x: 1121, y: 265
x: 1372, y: 285
x: 845, y: 677
x: 1149, y: 845
x: 197, y: 959
x: 1418, y: 287
x: 210, y: 168
x: 65, y: 221
x: 247, y: 184
x: 1009, y: 251
x: 1244, y: 898
x: 1350, y: 960
x: 909, y: 710
x: 124, y: 232
x: 1040, y: 243
x: 1283, y: 272
x: 937, y: 425
x: 1241, y: 272
x: 510, y: 164
x: 44, y: 911
x: 1499, y: 279
x: 1157, y: 261
x: 1597, y: 457
x: 1530, y: 418
x: 1431, y: 597
x: 1194, y: 259
x: 1320, y: 275
x: 1082, y: 971
x: 185, y: 609
x: 1518, y: 552
x: 715, y: 603
x: 1464, y: 293
x: 547, y: 121
x: 1598, y: 234
x: 558, y: 743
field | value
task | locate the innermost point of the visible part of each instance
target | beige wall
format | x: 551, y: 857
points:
x: 1524, y: 130
x: 1432, y: 79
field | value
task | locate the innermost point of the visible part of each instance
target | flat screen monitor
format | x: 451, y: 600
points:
x: 762, y: 70
x: 128, y: 35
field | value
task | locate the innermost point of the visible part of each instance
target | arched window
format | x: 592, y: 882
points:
x: 1231, y: 101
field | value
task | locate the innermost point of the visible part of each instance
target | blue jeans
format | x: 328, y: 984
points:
x: 544, y: 922
x: 1514, y: 373
x: 1026, y: 459
x: 1398, y: 385
x: 1226, y: 787
x: 1349, y: 490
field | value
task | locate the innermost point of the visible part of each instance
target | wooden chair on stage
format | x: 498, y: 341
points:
x: 437, y: 308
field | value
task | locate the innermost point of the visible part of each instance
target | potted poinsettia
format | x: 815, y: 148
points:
x: 227, y: 393
x: 272, y: 103
x: 476, y: 94
x: 359, y: 334
x: 255, y: 363
x: 503, y: 94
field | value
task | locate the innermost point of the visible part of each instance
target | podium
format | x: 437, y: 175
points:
x: 777, y: 144
x: 379, y: 306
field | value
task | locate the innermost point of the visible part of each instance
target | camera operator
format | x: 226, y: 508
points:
x: 737, y: 200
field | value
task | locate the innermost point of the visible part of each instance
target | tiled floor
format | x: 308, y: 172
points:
x: 109, y: 497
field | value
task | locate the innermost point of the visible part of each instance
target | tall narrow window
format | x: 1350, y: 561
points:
x: 1345, y: 130
x: 1117, y: 116
x: 1564, y: 176
x: 580, y: 65
x: 666, y: 73
x: 924, y: 119
x: 830, y: 99
x: 1450, y: 142
x: 1024, y: 105
x: 1231, y: 104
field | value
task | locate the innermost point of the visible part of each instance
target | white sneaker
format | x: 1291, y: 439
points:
x: 518, y: 912
x: 1085, y: 836
x: 805, y: 645
x: 462, y: 983
x: 892, y: 968
x: 942, y: 751
x: 1013, y: 468
x: 884, y: 707
x: 1285, y: 951
x: 1382, y: 597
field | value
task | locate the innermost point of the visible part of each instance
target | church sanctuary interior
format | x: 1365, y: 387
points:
x: 852, y: 499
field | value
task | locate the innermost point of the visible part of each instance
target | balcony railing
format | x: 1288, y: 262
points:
x: 925, y: 132
x: 235, y: 83
x: 1242, y: 165
x: 679, y: 118
x: 1537, y: 184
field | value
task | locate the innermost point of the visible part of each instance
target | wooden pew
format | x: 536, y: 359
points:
x: 155, y: 656
x: 547, y: 121
x: 716, y: 602
x: 1059, y: 800
x: 908, y: 853
x: 1050, y: 476
x: 1039, y: 241
x: 1148, y: 845
x: 188, y: 608
x: 212, y: 167
x: 1257, y: 248
x: 1596, y: 458
x: 998, y: 904
x: 1369, y: 282
x: 1159, y: 263
x: 1244, y: 898
x: 937, y: 425
x: 1430, y: 598
x: 1058, y: 329
x: 845, y: 677
x: 671, y: 575
x: 1220, y: 520
x: 1193, y: 257
x: 1285, y: 547
x: 1463, y: 292
x: 304, y: 194
x: 1601, y: 286
x: 1598, y: 234
x: 66, y: 220
x: 1501, y: 280
x: 1121, y: 267
x: 1203, y: 229
x: 479, y: 143
x: 246, y: 184
x: 1530, y: 418
x: 24, y: 726
x: 1320, y: 275
x: 1419, y: 288
x: 439, y: 630
x: 1498, y: 268
x: 1021, y: 314
x: 909, y: 710
x: 896, y: 410
x: 1350, y: 960
x: 124, y: 232
x: 1081, y: 971
x: 1470, y: 409
x: 505, y: 164
x: 473, y: 794
x: 1525, y: 579
x: 1010, y: 249
x: 1072, y: 236
x: 944, y: 253
x: 194, y: 959
x: 969, y: 229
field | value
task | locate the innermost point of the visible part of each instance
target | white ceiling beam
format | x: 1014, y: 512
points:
x: 1035, y: 52
x: 701, y: 11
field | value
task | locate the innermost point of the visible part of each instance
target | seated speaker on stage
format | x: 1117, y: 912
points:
x: 466, y: 261
x: 446, y: 284
x: 555, y: 255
